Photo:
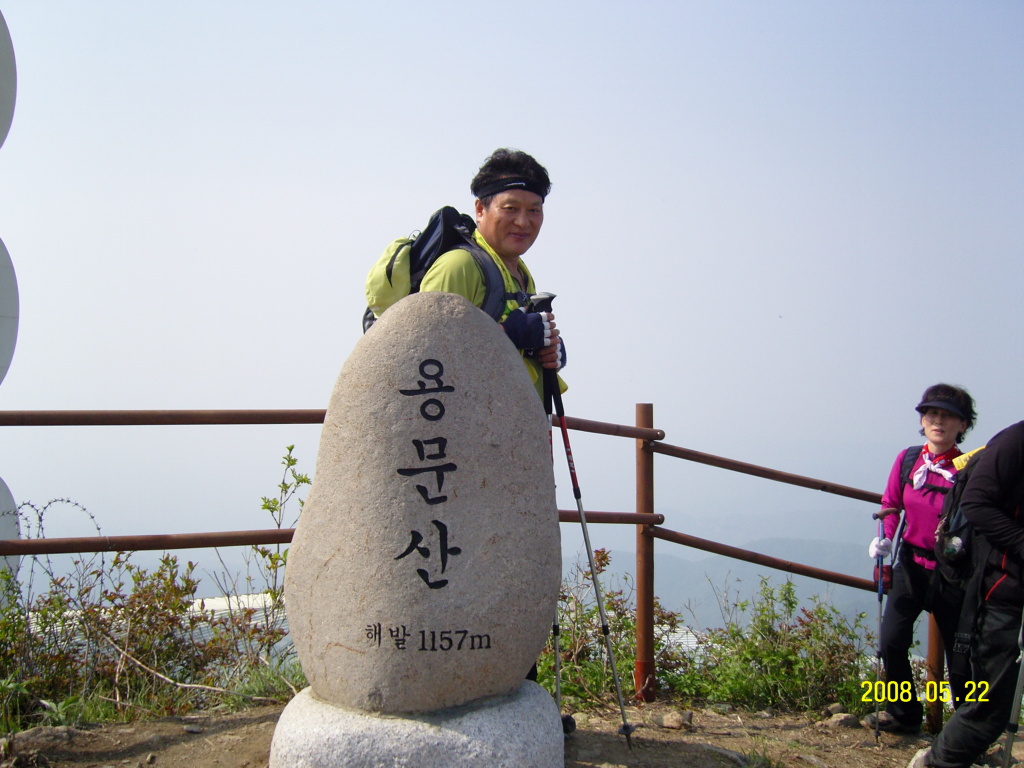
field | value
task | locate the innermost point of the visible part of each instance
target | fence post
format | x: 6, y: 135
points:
x: 644, y: 673
x: 934, y: 664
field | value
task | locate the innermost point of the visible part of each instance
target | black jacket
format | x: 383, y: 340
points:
x: 993, y: 501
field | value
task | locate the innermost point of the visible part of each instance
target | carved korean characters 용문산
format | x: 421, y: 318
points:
x: 425, y: 568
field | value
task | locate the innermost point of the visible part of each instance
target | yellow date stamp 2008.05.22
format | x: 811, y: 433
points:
x: 884, y: 692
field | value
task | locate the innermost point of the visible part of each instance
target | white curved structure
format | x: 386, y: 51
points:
x: 8, y: 80
x: 8, y: 310
x: 8, y: 525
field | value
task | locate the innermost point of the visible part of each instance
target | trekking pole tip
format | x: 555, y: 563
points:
x: 627, y: 731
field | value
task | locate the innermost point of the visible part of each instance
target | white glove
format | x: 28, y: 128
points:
x: 879, y: 548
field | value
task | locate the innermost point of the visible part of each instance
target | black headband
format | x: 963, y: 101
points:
x: 511, y: 182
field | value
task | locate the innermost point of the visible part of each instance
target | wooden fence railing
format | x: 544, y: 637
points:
x: 648, y: 523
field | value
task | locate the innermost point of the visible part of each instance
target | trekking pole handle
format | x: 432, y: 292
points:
x: 884, y: 513
x: 541, y: 302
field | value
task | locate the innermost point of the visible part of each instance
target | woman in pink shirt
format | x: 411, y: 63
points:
x: 947, y: 413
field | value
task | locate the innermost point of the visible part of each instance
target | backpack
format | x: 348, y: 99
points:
x: 400, y: 269
x: 954, y: 534
x: 960, y: 555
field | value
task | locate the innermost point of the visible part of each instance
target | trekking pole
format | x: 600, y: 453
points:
x: 880, y: 575
x: 542, y: 303
x: 568, y: 721
x: 1011, y: 725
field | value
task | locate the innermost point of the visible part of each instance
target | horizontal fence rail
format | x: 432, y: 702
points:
x: 756, y: 557
x: 155, y: 418
x: 58, y: 546
x: 768, y: 474
x: 158, y: 418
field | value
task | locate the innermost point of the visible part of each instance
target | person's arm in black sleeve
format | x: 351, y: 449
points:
x: 988, y: 500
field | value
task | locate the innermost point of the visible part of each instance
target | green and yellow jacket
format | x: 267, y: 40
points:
x: 457, y: 272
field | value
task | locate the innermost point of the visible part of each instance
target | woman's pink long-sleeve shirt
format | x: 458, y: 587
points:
x: 921, y: 507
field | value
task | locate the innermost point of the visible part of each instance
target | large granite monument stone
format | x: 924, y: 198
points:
x: 424, y: 572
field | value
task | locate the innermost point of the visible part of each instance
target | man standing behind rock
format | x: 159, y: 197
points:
x: 510, y: 189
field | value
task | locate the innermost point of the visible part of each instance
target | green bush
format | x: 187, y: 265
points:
x: 585, y: 672
x: 770, y: 652
x: 118, y: 641
x: 784, y: 657
x: 586, y: 678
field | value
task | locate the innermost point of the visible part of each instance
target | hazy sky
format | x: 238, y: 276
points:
x: 777, y: 221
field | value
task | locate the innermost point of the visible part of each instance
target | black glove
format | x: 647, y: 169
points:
x: 528, y: 330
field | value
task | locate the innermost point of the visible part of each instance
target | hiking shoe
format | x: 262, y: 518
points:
x: 920, y: 759
x: 889, y: 724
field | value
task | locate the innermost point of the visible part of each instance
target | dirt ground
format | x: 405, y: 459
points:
x: 714, y: 740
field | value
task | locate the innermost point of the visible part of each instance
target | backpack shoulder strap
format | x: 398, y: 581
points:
x: 909, y: 460
x: 449, y: 230
x: 495, y: 295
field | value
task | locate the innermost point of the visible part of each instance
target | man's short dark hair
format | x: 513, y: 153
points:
x: 509, y: 164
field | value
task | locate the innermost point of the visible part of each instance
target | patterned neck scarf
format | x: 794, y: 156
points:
x: 935, y: 463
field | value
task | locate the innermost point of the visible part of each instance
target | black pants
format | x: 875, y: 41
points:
x: 976, y: 724
x: 914, y: 590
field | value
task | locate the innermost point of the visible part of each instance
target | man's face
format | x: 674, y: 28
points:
x: 511, y: 222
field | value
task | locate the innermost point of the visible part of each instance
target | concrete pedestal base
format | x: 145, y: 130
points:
x: 523, y: 730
